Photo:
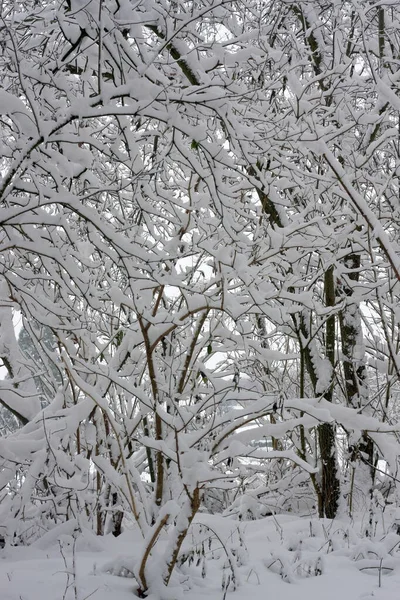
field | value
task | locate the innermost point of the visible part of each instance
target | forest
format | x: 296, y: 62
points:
x: 200, y: 296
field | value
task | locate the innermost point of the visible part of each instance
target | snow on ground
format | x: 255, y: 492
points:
x: 283, y: 557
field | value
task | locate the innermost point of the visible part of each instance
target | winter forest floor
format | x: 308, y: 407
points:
x: 283, y: 557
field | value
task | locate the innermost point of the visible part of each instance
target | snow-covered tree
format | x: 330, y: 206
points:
x: 199, y: 207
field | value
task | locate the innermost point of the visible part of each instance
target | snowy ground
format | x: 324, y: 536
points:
x: 282, y: 557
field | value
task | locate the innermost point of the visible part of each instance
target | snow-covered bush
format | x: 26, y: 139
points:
x: 199, y: 213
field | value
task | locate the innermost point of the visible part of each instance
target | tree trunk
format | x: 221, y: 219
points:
x: 330, y: 484
x: 354, y: 368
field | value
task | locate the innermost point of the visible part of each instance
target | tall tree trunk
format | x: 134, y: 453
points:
x: 330, y: 484
x: 354, y: 368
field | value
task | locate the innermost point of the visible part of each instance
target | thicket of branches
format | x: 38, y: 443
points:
x: 199, y: 230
